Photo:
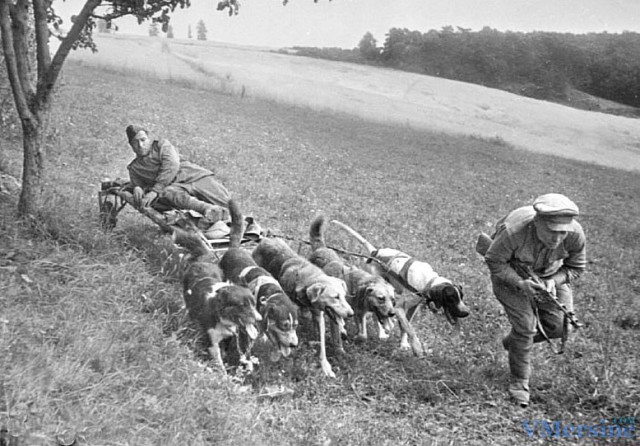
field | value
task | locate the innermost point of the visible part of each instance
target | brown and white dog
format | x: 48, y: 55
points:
x: 220, y: 307
x: 403, y: 271
x: 279, y: 313
x: 367, y: 292
x: 308, y: 286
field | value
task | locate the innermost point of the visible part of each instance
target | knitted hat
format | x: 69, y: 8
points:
x: 132, y: 131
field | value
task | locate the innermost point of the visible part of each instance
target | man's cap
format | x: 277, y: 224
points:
x: 133, y: 130
x: 556, y: 210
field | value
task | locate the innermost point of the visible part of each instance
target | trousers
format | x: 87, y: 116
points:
x: 524, y: 332
x: 206, y: 191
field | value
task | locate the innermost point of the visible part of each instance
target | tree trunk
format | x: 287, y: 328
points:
x: 32, y: 168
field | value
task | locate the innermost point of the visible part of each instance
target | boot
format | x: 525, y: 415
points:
x: 519, y: 392
x: 214, y: 213
x: 211, y: 212
x: 505, y: 342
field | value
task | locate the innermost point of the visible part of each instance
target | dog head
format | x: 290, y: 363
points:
x: 279, y: 323
x: 379, y: 297
x: 237, y: 306
x: 330, y: 295
x: 448, y: 296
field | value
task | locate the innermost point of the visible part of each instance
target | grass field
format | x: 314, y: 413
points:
x: 377, y: 94
x: 94, y: 341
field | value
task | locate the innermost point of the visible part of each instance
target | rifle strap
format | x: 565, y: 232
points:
x: 565, y: 332
x: 541, y: 330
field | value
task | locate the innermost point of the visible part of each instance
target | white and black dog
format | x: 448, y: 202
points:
x: 404, y: 271
x: 279, y: 313
x: 220, y: 307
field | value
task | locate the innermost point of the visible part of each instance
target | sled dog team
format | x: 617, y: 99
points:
x: 249, y: 295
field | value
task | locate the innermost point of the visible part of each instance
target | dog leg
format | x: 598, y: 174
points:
x: 409, y: 339
x: 214, y: 350
x: 382, y: 332
x: 336, y: 337
x: 361, y: 323
x: 405, y: 309
x: 324, y: 363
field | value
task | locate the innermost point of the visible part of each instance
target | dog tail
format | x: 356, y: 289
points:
x: 368, y: 246
x: 316, y: 232
x: 237, y: 226
x: 191, y: 241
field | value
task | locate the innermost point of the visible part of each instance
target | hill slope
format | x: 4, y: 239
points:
x: 382, y: 95
x: 94, y: 340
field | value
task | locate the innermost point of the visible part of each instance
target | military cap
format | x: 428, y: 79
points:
x: 132, y: 130
x: 556, y: 210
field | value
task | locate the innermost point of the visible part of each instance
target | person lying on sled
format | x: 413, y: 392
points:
x: 161, y: 180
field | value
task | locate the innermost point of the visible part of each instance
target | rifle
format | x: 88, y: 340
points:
x: 525, y: 271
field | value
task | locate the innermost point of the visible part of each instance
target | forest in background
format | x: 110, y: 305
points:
x: 541, y: 65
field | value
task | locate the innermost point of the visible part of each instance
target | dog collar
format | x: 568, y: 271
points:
x: 217, y: 287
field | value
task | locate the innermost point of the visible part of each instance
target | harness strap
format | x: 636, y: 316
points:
x: 404, y: 271
x: 544, y: 333
x: 258, y: 282
x: 214, y: 288
x: 407, y: 285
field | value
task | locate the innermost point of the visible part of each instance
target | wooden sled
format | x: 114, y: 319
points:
x: 115, y: 195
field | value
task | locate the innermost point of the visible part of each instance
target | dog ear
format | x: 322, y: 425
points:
x: 368, y: 290
x: 436, y: 295
x: 266, y: 317
x: 459, y: 288
x: 314, y: 292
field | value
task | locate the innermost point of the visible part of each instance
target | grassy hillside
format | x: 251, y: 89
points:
x: 377, y: 94
x: 94, y: 340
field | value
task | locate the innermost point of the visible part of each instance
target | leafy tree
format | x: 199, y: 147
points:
x: 368, y: 47
x: 153, y: 29
x: 32, y: 97
x: 201, y: 29
x: 102, y: 26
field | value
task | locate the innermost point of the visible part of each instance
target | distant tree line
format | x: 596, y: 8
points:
x: 538, y: 64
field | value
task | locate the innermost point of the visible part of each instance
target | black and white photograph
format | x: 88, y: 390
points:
x: 319, y: 222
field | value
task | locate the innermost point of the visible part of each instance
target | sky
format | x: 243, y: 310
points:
x: 343, y: 23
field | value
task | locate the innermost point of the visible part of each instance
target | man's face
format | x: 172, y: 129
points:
x: 141, y: 144
x: 550, y: 239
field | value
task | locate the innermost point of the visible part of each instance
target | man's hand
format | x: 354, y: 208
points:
x: 148, y: 198
x: 138, y: 195
x: 142, y: 200
x: 530, y: 287
x: 550, y: 286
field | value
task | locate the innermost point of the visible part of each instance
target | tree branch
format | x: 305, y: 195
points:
x: 42, y: 36
x: 48, y: 81
x: 11, y: 62
x: 20, y: 28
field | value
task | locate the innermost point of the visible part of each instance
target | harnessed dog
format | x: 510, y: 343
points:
x: 279, y: 313
x: 367, y: 292
x: 406, y: 272
x: 308, y: 286
x: 220, y: 307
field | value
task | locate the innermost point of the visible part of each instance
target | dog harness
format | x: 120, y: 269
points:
x: 397, y: 265
x: 215, y: 288
x: 257, y: 283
